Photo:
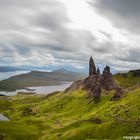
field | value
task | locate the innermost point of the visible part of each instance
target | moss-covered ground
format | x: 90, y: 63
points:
x: 127, y: 80
x: 70, y: 116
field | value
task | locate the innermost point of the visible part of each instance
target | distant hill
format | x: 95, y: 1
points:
x: 39, y: 78
x: 40, y: 68
x: 10, y: 69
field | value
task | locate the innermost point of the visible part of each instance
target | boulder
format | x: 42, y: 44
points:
x: 117, y: 94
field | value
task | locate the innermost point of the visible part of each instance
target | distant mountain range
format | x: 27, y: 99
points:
x: 39, y: 78
x: 38, y: 68
x: 49, y: 68
x: 11, y: 69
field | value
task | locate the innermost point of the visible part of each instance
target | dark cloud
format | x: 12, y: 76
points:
x: 132, y: 55
x: 124, y: 14
x: 54, y: 20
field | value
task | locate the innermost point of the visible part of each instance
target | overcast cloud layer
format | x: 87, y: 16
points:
x: 41, y: 33
x: 123, y: 13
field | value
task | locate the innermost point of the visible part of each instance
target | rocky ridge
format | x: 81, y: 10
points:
x: 97, y: 82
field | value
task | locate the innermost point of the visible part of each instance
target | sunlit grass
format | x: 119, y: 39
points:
x: 71, y: 116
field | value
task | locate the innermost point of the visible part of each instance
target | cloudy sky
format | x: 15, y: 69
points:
x: 67, y: 32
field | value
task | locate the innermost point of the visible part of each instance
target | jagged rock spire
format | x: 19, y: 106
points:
x: 106, y: 70
x: 98, y: 71
x: 108, y: 82
x: 95, y: 82
x: 92, y: 68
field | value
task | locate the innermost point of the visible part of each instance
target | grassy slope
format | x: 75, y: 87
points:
x: 70, y: 117
x: 128, y: 81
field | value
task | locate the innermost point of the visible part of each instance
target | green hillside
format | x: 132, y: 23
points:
x: 70, y: 116
x: 126, y: 80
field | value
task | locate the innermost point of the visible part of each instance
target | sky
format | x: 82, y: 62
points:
x: 65, y: 33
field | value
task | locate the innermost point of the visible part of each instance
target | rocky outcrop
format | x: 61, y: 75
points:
x: 76, y: 85
x: 98, y: 71
x: 117, y: 94
x: 92, y: 68
x: 108, y: 82
x: 95, y: 82
x: 93, y: 85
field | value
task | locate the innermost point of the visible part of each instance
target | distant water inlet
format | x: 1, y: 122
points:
x: 50, y: 89
x: 3, y: 118
x: 39, y: 89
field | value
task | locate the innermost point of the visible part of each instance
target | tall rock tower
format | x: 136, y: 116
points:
x: 92, y: 68
x: 93, y: 82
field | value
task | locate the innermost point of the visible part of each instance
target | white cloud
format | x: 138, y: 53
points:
x: 60, y: 32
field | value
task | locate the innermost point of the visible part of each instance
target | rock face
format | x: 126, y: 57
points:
x: 92, y: 68
x: 94, y: 81
x: 108, y: 82
x: 93, y: 85
x: 74, y: 86
x: 98, y: 71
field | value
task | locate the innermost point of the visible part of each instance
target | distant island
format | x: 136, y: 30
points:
x: 39, y: 78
